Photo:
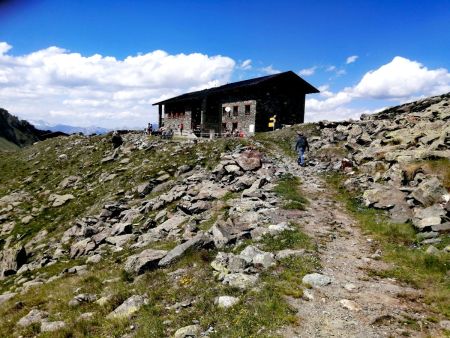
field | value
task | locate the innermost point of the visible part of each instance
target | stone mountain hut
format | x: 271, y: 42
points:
x: 244, y: 106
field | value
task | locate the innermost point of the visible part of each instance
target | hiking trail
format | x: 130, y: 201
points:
x: 355, y: 303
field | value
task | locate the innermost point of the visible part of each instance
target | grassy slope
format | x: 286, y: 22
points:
x: 258, y: 314
x: 6, y: 145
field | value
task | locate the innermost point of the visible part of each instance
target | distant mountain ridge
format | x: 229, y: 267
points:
x: 68, y: 129
x: 20, y: 133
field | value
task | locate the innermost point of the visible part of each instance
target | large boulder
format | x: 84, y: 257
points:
x: 429, y: 191
x: 11, y: 260
x: 389, y: 198
x: 250, y: 160
x: 144, y: 261
x: 199, y: 241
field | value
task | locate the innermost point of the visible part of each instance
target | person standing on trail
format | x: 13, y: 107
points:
x: 181, y: 128
x: 300, y: 146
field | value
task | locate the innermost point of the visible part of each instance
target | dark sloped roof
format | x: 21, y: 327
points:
x: 308, y: 88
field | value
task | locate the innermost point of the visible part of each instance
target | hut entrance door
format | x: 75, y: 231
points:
x: 196, y: 120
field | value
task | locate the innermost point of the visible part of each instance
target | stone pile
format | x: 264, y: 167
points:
x: 376, y: 153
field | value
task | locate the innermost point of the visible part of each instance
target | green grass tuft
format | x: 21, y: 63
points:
x: 288, y: 188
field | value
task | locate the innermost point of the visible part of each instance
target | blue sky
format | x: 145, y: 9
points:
x: 364, y: 55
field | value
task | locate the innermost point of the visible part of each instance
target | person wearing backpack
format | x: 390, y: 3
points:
x: 300, y: 146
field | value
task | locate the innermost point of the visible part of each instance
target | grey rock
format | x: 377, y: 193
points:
x: 200, y: 240
x: 427, y: 222
x: 250, y: 160
x: 94, y: 259
x: 34, y: 316
x: 429, y: 192
x: 236, y: 263
x: 258, y: 258
x: 383, y: 197
x: 171, y: 224
x: 445, y: 324
x: 11, y: 260
x: 433, y: 211
x: 240, y: 280
x: 119, y: 241
x: 441, y: 228
x: 79, y: 269
x: 128, y: 307
x: 121, y: 229
x: 69, y: 182
x: 144, y: 189
x: 6, y: 296
x: 183, y: 169
x: 431, y: 241
x: 144, y: 261
x: 52, y: 326
x: 282, y: 254
x: 222, y: 235
x: 162, y: 178
x: 432, y: 250
x: 232, y: 168
x: 191, y: 331
x: 427, y: 235
x: 82, y: 298
x: 225, y: 302
x: 275, y: 229
x: 58, y: 200
x: 316, y: 280
x: 161, y: 216
x: 82, y: 248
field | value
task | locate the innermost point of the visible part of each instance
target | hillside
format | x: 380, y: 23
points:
x: 16, y: 133
x: 230, y: 238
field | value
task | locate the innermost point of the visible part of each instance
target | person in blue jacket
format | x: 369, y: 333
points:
x: 300, y: 147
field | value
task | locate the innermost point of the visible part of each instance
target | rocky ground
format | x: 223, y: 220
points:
x: 231, y: 238
x: 345, y: 300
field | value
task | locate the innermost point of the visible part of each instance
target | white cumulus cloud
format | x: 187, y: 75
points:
x: 246, y: 64
x: 402, y: 78
x: 399, y: 80
x: 270, y: 70
x: 57, y: 85
x: 307, y: 71
x: 351, y: 59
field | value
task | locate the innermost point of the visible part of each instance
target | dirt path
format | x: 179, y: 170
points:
x: 355, y: 304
